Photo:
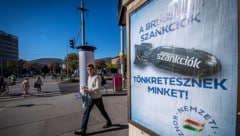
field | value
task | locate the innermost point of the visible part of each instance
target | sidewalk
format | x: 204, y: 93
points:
x: 115, y: 106
x: 53, y: 113
x: 49, y: 88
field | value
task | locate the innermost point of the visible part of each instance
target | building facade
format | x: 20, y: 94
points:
x: 8, y: 47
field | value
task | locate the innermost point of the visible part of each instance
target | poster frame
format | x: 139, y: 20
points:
x: 238, y: 85
x: 130, y: 10
x: 128, y: 13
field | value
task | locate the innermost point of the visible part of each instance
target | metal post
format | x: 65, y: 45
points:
x: 83, y: 21
x: 122, y: 55
x: 67, y: 61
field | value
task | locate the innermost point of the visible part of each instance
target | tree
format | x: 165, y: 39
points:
x: 71, y: 61
x: 110, y: 65
x: 36, y: 68
x: 100, y: 64
x: 118, y: 65
x: 21, y: 62
x: 11, y: 67
x: 124, y: 62
x: 54, y: 66
x: 45, y: 69
x: 26, y: 67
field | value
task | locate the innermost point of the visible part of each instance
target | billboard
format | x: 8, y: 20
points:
x: 184, y: 67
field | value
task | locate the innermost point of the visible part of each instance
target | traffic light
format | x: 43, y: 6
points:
x: 71, y: 42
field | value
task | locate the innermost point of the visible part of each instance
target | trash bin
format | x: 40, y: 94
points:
x: 117, y: 82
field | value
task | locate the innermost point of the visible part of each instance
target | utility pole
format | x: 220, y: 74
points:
x: 67, y: 61
x: 86, y: 52
x: 83, y: 10
x: 121, y: 55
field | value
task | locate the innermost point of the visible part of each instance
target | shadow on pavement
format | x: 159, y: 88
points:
x: 26, y: 105
x: 11, y: 94
x: 114, y: 127
x: 30, y: 105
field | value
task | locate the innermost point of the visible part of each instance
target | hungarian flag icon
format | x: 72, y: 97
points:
x: 193, y: 125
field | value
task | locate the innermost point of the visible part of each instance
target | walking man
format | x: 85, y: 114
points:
x: 94, y: 90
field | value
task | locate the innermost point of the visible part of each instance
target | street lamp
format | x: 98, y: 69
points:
x: 67, y: 60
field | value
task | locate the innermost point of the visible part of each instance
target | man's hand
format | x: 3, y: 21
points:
x: 85, y: 88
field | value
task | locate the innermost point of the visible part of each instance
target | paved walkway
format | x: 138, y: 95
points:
x: 54, y: 113
x: 49, y: 88
x: 52, y: 87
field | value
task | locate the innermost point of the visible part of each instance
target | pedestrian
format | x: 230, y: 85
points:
x: 25, y: 86
x: 103, y: 82
x: 38, y: 83
x: 93, y: 88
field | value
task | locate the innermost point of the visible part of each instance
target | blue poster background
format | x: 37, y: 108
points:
x: 206, y: 25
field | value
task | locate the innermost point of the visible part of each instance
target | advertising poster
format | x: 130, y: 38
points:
x: 184, y: 61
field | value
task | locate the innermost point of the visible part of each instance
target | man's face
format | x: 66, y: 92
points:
x: 90, y: 71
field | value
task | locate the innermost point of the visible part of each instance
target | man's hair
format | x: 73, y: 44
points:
x: 90, y: 66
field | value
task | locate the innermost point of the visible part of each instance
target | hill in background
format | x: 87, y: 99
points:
x: 46, y: 61
x: 107, y: 59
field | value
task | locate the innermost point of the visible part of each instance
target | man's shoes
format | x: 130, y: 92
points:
x: 107, y: 125
x: 79, y: 132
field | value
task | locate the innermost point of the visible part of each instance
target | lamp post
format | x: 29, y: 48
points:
x: 121, y: 55
x: 67, y: 61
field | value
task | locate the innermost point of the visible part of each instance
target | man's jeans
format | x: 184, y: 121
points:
x: 99, y: 104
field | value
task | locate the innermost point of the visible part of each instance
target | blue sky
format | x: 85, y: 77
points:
x: 44, y: 27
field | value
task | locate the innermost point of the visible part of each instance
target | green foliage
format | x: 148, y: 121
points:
x: 71, y: 61
x: 74, y: 79
x: 109, y: 65
x: 10, y: 67
x: 100, y: 64
x: 45, y: 69
x: 54, y: 66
